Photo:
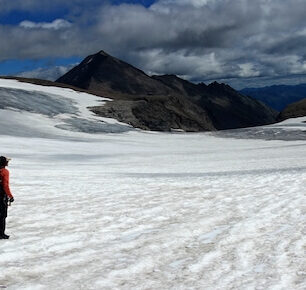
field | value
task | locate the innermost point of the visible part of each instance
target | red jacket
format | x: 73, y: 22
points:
x: 5, y: 181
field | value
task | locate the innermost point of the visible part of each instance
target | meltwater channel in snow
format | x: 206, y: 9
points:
x: 144, y: 210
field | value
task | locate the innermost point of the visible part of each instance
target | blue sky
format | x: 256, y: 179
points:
x: 240, y: 42
x: 17, y: 15
x: 13, y: 66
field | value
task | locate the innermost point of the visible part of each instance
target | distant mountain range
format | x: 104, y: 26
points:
x: 277, y: 97
x: 164, y: 102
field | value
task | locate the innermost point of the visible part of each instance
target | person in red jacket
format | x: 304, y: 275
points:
x: 5, y: 195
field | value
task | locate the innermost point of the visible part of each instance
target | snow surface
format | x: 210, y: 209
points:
x: 291, y: 129
x: 23, y: 104
x: 144, y: 210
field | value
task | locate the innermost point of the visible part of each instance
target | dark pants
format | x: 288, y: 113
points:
x: 3, y: 211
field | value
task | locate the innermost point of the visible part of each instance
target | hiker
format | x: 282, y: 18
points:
x: 5, y: 195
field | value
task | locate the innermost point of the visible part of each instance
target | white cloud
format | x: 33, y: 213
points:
x: 56, y: 24
x: 195, y: 3
x: 247, y: 70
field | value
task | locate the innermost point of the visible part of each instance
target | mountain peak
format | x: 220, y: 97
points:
x: 102, y: 52
x: 112, y: 77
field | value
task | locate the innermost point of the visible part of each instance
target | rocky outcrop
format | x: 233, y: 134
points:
x: 163, y: 114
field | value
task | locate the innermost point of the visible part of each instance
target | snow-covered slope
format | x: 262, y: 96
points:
x: 40, y: 111
x: 144, y: 210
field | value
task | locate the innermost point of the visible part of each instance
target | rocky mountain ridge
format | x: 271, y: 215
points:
x: 165, y: 102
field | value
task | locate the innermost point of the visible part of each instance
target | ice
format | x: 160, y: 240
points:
x: 147, y: 210
x: 61, y: 110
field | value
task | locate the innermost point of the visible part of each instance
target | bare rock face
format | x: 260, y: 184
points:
x: 227, y: 108
x: 164, y: 103
x: 158, y: 114
x: 294, y: 110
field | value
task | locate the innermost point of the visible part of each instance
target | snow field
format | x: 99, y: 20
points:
x: 155, y: 211
x: 147, y: 210
x: 29, y: 110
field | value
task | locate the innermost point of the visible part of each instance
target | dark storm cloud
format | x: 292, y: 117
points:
x: 292, y: 44
x: 197, y: 39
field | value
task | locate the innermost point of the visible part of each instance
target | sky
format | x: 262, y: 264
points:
x: 244, y: 43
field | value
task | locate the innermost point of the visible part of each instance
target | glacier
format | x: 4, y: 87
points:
x: 111, y: 207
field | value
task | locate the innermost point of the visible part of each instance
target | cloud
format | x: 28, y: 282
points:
x: 247, y: 70
x: 195, y: 3
x: 56, y: 24
x: 51, y: 73
x: 42, y: 5
x: 24, y: 43
x: 197, y: 39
